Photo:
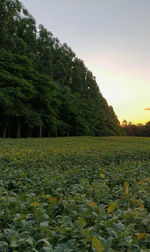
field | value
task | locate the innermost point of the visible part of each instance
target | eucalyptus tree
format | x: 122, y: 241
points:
x: 44, y: 51
x: 43, y: 85
x: 62, y: 63
x: 9, y: 16
x: 16, y: 87
x: 46, y: 103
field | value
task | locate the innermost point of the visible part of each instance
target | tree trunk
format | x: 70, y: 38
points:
x: 9, y: 132
x: 49, y: 133
x: 40, y: 131
x: 4, y: 132
x: 56, y: 132
x: 68, y: 132
x: 30, y: 132
x: 19, y: 129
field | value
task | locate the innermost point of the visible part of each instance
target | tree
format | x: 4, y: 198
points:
x: 45, y: 90
x: 44, y: 52
x: 16, y: 88
x: 46, y: 102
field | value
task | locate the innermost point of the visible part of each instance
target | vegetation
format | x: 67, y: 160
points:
x: 75, y: 194
x: 45, y: 90
x: 136, y: 130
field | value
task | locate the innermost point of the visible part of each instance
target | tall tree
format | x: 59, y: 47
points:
x: 16, y: 88
x: 43, y: 85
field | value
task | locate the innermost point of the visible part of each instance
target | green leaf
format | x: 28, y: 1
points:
x: 82, y: 222
x: 47, y: 249
x: 44, y: 224
x: 3, y: 244
x: 43, y: 240
x: 30, y: 241
x: 108, y: 243
x: 112, y: 207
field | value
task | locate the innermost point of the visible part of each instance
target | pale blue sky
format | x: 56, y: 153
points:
x: 113, y: 39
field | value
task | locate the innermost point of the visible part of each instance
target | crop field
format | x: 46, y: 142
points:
x: 75, y: 194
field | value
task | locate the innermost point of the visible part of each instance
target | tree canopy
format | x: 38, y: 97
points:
x: 45, y: 90
x: 136, y: 129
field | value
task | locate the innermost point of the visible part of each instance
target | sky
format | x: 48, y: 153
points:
x: 113, y: 39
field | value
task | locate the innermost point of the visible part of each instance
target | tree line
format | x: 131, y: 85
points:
x: 136, y: 129
x: 45, y: 90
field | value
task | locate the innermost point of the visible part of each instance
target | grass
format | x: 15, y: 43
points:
x: 75, y: 194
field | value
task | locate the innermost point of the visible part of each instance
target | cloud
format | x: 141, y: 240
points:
x: 147, y: 109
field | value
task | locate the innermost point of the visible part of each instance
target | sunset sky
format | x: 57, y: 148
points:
x: 113, y: 39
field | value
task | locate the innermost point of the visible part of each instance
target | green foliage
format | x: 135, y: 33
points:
x: 75, y: 194
x: 44, y: 87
